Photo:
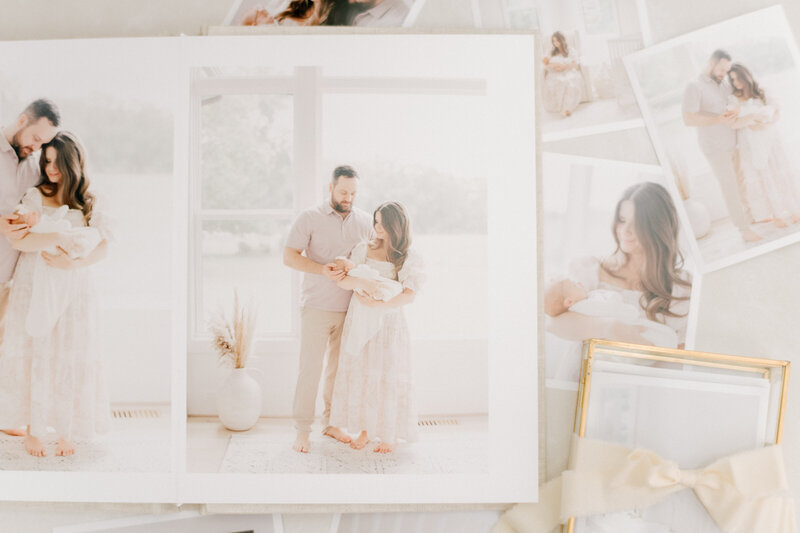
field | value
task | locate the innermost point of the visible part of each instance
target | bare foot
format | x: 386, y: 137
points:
x: 64, y: 448
x: 34, y: 446
x: 750, y: 236
x: 795, y: 219
x: 301, y: 443
x: 567, y: 113
x: 15, y: 432
x: 780, y: 223
x: 384, y: 447
x: 337, y: 434
x: 360, y: 441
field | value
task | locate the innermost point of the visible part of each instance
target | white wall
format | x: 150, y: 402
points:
x: 449, y: 378
x: 136, y: 346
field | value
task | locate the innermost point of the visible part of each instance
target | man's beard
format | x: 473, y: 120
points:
x: 17, y: 148
x: 339, y: 208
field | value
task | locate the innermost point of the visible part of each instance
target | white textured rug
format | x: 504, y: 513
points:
x: 274, y: 455
x: 111, y: 453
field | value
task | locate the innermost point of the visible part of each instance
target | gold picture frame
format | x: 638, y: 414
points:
x: 776, y: 371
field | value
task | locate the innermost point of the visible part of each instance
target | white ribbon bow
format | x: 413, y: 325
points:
x: 743, y: 493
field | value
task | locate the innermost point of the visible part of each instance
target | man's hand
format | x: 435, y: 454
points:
x: 31, y: 219
x: 60, y: 260
x: 728, y: 118
x: 333, y: 272
x: 11, y: 227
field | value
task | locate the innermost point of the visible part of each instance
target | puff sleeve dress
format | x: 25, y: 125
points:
x: 373, y: 389
x: 55, y: 377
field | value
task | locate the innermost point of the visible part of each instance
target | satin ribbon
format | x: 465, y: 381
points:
x: 743, y: 493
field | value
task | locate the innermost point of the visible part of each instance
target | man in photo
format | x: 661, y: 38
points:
x: 20, y: 144
x: 705, y: 102
x: 379, y: 13
x: 317, y: 237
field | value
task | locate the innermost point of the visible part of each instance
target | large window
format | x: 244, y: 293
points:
x: 263, y: 150
x: 245, y: 201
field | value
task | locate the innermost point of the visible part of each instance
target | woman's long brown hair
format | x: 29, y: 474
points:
x: 558, y: 36
x: 71, y: 163
x: 394, y: 220
x: 656, y: 226
x: 751, y: 88
x: 297, y: 9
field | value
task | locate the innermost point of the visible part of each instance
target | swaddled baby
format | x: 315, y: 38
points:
x: 753, y: 107
x: 609, y: 304
x: 51, y: 291
x: 371, y: 283
x: 77, y: 242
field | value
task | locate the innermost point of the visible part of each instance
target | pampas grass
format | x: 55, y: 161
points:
x: 233, y: 335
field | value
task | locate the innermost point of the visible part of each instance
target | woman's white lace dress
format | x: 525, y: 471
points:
x: 563, y: 91
x: 766, y: 174
x: 56, y: 379
x: 373, y: 389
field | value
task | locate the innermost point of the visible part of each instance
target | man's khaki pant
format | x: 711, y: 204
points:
x: 724, y: 168
x: 320, y: 331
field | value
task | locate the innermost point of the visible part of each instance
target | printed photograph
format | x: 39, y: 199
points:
x: 584, y: 87
x: 615, y: 261
x: 358, y: 13
x: 340, y: 264
x: 86, y: 156
x: 720, y: 107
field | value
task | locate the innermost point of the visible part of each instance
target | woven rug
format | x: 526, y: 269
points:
x: 273, y: 454
x: 106, y: 454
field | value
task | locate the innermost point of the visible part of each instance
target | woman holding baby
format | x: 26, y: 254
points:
x: 764, y: 171
x: 372, y: 395
x: 563, y: 83
x: 50, y: 369
x: 645, y: 271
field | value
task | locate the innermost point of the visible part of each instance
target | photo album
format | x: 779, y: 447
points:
x: 249, y: 259
x: 529, y: 271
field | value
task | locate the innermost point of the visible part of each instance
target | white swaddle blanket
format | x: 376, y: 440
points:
x: 365, y: 322
x: 752, y: 107
x: 52, y: 287
x: 387, y: 289
x: 610, y: 304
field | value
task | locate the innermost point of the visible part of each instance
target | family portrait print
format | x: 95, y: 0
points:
x: 356, y: 13
x: 85, y: 216
x: 584, y: 87
x: 379, y: 287
x: 719, y: 109
x: 615, y: 261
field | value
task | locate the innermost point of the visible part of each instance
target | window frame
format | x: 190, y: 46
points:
x: 307, y: 86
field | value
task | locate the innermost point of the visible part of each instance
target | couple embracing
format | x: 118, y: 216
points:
x: 737, y: 133
x: 50, y: 364
x: 359, y: 272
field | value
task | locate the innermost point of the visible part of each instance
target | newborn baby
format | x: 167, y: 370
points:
x: 77, y: 242
x: 370, y: 281
x: 752, y: 108
x: 608, y: 304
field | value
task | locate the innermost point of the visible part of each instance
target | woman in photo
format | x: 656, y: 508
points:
x: 51, y: 373
x: 372, y: 395
x: 767, y: 181
x: 563, y: 83
x: 296, y: 13
x: 639, y: 293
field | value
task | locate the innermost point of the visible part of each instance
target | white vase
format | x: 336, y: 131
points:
x: 239, y: 401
